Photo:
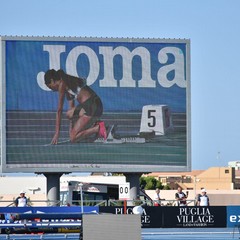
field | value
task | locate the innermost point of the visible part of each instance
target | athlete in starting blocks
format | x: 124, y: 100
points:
x: 85, y: 117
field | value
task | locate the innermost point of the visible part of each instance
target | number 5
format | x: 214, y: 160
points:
x: 152, y: 118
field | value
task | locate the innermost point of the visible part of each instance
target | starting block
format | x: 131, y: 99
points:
x: 156, y: 118
x: 127, y: 139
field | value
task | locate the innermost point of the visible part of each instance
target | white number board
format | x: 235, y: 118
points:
x: 124, y: 191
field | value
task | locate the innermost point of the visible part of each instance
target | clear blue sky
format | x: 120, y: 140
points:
x: 211, y: 25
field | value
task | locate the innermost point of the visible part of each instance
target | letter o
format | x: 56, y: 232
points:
x: 94, y: 67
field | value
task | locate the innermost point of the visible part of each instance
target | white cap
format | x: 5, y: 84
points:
x: 204, y: 190
x: 22, y: 192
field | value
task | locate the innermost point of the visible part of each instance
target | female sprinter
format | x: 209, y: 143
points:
x: 85, y: 117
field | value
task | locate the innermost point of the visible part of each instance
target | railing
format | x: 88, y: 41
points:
x: 173, y: 202
x: 190, y: 202
x: 11, y: 203
x: 91, y: 203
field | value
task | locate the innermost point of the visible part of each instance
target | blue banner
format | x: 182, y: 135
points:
x: 233, y: 216
x: 125, y: 75
x: 15, y: 216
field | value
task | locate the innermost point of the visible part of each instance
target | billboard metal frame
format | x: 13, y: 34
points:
x: 95, y: 167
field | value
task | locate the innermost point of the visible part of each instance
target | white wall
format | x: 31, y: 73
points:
x: 13, y: 185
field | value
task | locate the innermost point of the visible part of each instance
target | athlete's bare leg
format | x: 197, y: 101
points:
x: 70, y: 113
x: 79, y: 131
x: 80, y: 127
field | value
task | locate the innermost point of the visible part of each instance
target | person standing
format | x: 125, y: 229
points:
x: 21, y: 201
x: 181, y: 197
x: 157, y: 198
x: 203, y: 199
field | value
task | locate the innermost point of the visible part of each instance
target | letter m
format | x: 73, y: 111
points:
x: 127, y: 74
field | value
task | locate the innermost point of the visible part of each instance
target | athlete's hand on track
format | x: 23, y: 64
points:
x: 55, y: 139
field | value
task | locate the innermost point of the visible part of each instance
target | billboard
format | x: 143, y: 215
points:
x: 233, y: 216
x: 95, y: 104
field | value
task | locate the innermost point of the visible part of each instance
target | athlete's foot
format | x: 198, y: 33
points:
x: 102, y: 130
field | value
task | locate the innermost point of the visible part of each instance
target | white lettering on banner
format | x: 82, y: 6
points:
x: 234, y: 218
x: 54, y: 62
x: 195, y: 219
x: 54, y: 54
x: 127, y: 81
x: 93, y: 62
x: 177, y: 67
x: 195, y: 216
x: 145, y: 218
x: 194, y: 211
x: 127, y: 56
x: 121, y: 211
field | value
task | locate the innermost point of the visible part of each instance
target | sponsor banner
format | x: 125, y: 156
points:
x: 151, y: 216
x: 174, y: 217
x: 114, y: 69
x: 233, y: 216
x: 41, y: 216
x: 72, y: 209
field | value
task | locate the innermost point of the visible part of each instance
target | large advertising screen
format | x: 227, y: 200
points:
x: 95, y: 104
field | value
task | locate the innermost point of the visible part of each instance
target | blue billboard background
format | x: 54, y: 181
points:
x: 127, y: 75
x: 233, y: 216
x: 25, y: 59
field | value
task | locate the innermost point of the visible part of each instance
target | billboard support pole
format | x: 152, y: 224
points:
x: 133, y: 179
x: 53, y: 188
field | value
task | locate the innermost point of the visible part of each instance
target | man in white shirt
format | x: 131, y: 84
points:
x: 203, y: 199
x: 21, y: 201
